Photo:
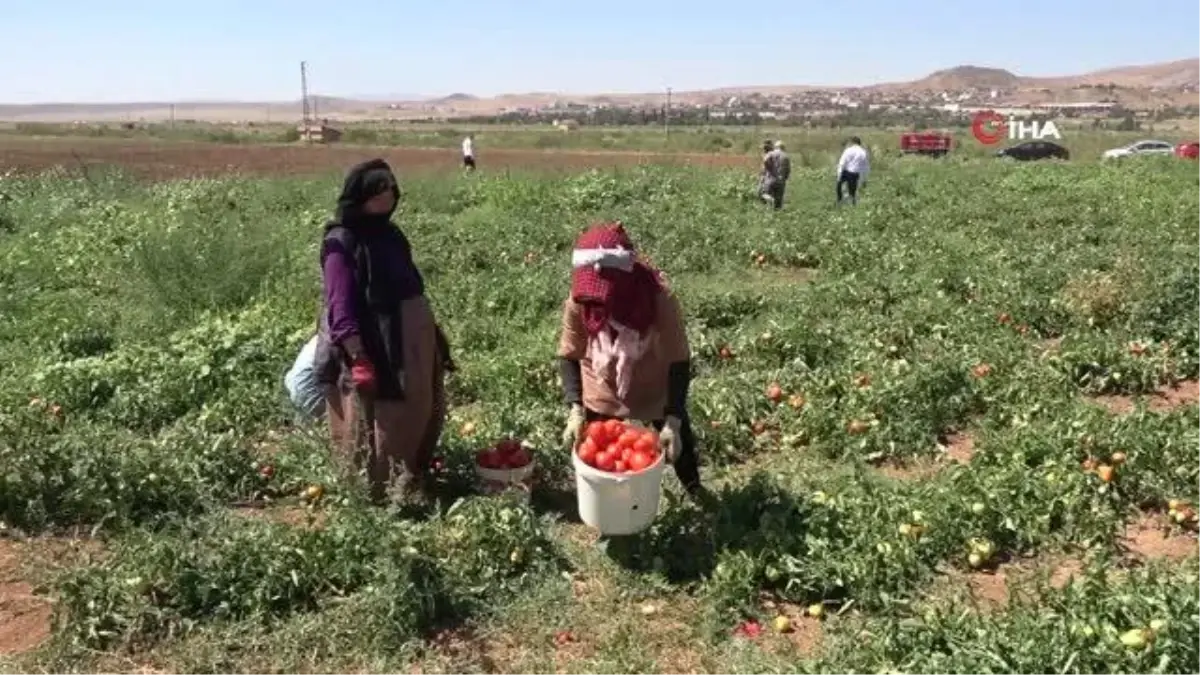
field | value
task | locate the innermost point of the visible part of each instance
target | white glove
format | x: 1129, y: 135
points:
x: 575, y: 419
x: 670, y: 439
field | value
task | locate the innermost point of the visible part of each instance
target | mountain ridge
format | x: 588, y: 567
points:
x: 1144, y: 85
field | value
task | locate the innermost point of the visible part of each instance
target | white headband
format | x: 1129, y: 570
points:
x: 618, y: 258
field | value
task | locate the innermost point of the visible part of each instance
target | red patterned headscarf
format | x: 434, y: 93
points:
x: 612, y: 281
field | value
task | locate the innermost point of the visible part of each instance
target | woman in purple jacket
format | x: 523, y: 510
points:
x: 384, y: 356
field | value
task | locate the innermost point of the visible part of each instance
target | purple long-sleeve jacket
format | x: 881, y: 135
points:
x: 393, y: 265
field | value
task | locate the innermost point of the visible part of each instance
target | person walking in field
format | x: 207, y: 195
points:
x: 777, y: 169
x: 763, y: 176
x: 468, y: 152
x: 623, y: 349
x: 381, y: 354
x: 852, y: 169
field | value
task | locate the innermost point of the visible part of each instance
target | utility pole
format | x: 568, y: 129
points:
x: 667, y: 116
x: 305, y: 110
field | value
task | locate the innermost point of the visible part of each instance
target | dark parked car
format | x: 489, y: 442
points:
x: 1033, y: 150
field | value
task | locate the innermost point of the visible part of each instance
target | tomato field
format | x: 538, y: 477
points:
x: 952, y: 429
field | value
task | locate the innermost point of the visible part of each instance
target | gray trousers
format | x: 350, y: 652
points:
x: 772, y: 191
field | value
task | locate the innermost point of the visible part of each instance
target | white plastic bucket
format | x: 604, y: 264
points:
x: 618, y: 504
x: 496, y: 481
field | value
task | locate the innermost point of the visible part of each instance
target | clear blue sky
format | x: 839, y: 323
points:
x: 118, y: 50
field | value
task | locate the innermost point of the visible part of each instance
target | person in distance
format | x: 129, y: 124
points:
x: 777, y: 167
x: 852, y: 169
x: 764, y: 175
x: 468, y: 152
x: 381, y: 356
x: 623, y: 349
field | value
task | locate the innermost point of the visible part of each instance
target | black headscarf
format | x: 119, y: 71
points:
x: 364, y: 181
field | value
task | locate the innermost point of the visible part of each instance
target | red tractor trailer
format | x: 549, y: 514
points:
x: 926, y: 143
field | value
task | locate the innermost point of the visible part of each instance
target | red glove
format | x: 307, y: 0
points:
x: 362, y: 374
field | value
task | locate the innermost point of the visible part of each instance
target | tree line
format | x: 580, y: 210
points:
x: 1116, y: 118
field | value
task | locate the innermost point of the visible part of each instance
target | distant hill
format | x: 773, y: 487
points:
x: 1172, y: 74
x: 389, y: 98
x: 966, y: 77
x: 1140, y: 86
x: 1162, y: 75
x: 455, y: 98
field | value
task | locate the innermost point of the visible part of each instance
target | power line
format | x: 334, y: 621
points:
x: 667, y: 116
x: 306, y: 112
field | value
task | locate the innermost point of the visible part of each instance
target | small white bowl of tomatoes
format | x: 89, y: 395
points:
x: 508, y: 464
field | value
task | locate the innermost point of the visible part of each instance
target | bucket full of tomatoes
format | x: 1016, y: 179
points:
x: 504, y: 466
x: 618, y: 477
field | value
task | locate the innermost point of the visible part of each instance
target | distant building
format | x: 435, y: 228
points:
x: 1086, y: 107
x: 319, y: 133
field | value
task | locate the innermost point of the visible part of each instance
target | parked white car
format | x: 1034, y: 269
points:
x: 1141, y: 148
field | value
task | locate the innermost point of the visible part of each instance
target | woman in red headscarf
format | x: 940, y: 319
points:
x: 624, y: 351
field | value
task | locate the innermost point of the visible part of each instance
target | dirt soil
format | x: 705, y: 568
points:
x: 24, y: 617
x: 959, y: 448
x: 1148, y: 537
x: 159, y: 160
x: 991, y: 588
x: 1164, y: 399
x: 805, y: 636
x: 296, y: 516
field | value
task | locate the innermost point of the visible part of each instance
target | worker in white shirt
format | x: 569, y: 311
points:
x: 852, y: 169
x: 468, y: 149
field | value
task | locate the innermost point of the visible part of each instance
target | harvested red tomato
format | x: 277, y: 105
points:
x: 639, y: 461
x: 645, y: 445
x: 606, y: 461
x: 628, y: 438
x: 518, y: 458
x: 587, y: 451
x: 596, y: 431
x: 613, y: 428
x: 617, y: 447
x: 507, y: 454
